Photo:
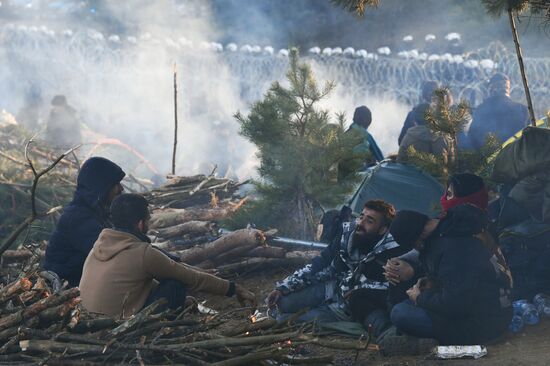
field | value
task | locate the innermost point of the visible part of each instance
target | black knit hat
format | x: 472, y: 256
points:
x: 465, y: 184
x: 407, y: 226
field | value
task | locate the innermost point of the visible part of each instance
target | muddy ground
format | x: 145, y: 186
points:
x: 528, y: 348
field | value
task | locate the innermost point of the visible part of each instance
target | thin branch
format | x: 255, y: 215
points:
x: 34, y: 213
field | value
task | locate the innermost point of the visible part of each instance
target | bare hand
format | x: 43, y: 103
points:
x: 273, y: 298
x: 397, y: 270
x: 244, y: 296
x: 414, y: 292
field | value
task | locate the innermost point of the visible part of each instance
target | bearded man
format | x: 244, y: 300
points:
x: 346, y: 282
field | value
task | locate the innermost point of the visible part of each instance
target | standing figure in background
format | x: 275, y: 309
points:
x: 498, y: 114
x: 416, y: 115
x: 63, y: 129
x: 424, y: 139
x: 29, y: 115
x: 362, y: 118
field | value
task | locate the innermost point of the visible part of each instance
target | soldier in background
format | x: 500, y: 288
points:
x: 63, y: 128
x: 498, y: 114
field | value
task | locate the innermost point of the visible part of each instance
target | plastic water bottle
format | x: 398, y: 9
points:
x: 542, y: 302
x: 518, y: 306
x: 527, y: 311
x: 516, y: 324
x: 530, y: 314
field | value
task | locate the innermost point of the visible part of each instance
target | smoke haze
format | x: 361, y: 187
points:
x: 114, y: 62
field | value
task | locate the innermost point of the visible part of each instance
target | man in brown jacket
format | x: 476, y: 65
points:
x: 124, y: 272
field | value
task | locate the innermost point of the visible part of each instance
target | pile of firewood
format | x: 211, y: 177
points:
x: 38, y: 326
x: 186, y: 213
x: 196, y: 190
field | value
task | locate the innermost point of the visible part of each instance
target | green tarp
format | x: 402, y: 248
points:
x: 405, y: 186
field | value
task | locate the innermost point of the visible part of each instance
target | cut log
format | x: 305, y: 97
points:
x: 36, y: 292
x: 240, y: 238
x: 191, y: 228
x: 177, y: 181
x: 38, y: 307
x: 231, y: 255
x: 14, y: 288
x: 10, y: 256
x: 172, y: 217
x: 59, y: 311
x: 267, y: 252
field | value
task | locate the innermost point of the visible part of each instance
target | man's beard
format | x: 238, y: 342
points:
x: 365, y: 241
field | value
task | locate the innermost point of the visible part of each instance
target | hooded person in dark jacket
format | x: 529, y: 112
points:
x: 83, y: 219
x: 498, y: 114
x: 462, y: 299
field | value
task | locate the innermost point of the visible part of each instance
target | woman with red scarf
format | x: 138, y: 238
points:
x: 467, y: 188
x: 462, y: 189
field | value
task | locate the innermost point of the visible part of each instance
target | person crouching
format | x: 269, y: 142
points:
x: 124, y: 272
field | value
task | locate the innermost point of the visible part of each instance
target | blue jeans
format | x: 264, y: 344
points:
x: 412, y: 320
x: 312, y: 297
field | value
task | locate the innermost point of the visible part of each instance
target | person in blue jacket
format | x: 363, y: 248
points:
x: 98, y: 183
x: 498, y: 114
x: 362, y: 118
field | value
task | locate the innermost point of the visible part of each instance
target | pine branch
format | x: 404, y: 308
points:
x: 429, y: 163
x: 356, y: 6
x: 496, y: 8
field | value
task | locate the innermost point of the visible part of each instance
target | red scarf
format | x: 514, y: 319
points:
x: 479, y: 199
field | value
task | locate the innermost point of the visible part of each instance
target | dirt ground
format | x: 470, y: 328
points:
x: 528, y: 348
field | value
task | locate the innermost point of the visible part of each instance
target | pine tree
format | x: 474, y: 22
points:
x: 305, y: 160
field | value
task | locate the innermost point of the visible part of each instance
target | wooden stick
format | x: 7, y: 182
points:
x: 137, y: 319
x: 522, y: 67
x: 175, y: 119
x: 34, y: 214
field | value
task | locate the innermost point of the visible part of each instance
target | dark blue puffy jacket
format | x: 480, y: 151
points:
x: 82, y: 220
x: 499, y: 115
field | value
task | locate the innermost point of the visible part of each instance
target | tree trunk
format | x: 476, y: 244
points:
x: 522, y: 67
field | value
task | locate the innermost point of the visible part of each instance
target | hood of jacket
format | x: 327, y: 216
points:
x: 463, y: 220
x: 96, y: 178
x: 111, y: 242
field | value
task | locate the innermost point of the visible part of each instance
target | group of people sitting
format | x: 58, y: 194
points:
x: 405, y: 274
x: 400, y: 274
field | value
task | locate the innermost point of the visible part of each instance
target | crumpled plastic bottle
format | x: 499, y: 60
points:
x: 516, y: 324
x: 542, y: 302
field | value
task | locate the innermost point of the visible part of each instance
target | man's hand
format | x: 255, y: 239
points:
x: 244, y: 296
x: 414, y: 291
x: 273, y: 298
x: 397, y: 270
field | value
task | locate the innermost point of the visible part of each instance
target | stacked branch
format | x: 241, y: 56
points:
x: 48, y: 328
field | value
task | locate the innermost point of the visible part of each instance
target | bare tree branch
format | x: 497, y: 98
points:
x: 34, y: 214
